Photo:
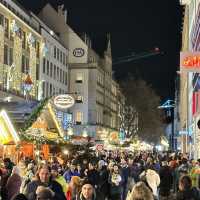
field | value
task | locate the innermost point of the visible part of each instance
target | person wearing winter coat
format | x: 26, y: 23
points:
x: 115, y: 181
x: 186, y: 191
x: 71, y: 172
x: 103, y: 186
x: 166, y: 179
x: 13, y: 184
x: 44, y: 179
x: 152, y: 179
x: 92, y: 175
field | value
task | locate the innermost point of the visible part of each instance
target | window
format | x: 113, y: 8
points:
x: 50, y: 89
x: 47, y: 67
x: 37, y: 71
x: 23, y: 64
x: 27, y: 66
x: 63, y: 78
x: 79, y: 99
x: 6, y: 21
x: 47, y: 89
x: 44, y: 63
x: 54, y: 72
x: 66, y: 78
x: 23, y: 40
x: 1, y: 20
x: 51, y: 70
x: 79, y: 118
x: 6, y: 54
x: 43, y: 89
x: 11, y: 56
x: 61, y: 75
x: 55, y: 52
x: 79, y: 77
x: 57, y: 74
x: 58, y: 53
x: 61, y: 56
x: 37, y: 49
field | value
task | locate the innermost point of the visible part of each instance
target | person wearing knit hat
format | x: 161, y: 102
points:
x: 88, y: 192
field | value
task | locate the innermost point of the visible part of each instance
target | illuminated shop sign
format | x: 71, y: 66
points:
x: 64, y: 101
x: 190, y: 61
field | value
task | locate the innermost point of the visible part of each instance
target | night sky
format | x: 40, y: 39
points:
x: 136, y: 26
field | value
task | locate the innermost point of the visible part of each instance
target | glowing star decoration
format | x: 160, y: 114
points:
x: 31, y: 39
x: 14, y: 28
x: 8, y: 135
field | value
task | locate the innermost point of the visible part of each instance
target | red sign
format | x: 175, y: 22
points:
x: 190, y: 61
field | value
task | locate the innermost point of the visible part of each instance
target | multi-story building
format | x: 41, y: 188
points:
x: 189, y: 82
x: 53, y: 72
x: 90, y: 78
x: 20, y: 45
x: 30, y: 52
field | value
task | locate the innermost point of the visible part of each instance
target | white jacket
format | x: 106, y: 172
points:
x: 153, y: 180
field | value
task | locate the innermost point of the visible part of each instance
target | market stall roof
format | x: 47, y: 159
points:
x: 8, y: 135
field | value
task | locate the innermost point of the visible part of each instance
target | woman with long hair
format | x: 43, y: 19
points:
x: 140, y: 192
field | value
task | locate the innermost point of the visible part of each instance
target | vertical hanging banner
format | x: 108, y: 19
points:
x: 190, y: 61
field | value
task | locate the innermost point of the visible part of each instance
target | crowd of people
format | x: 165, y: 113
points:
x: 105, y: 176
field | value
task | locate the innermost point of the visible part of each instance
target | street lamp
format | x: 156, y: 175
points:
x: 169, y: 105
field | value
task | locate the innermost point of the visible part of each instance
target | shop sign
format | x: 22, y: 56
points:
x: 78, y: 52
x: 190, y: 61
x: 64, y: 101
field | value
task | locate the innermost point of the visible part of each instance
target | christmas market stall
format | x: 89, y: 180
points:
x: 41, y: 130
x: 9, y: 138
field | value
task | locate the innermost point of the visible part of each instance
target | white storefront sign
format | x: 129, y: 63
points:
x: 64, y: 101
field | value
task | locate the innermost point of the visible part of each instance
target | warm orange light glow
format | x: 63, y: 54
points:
x: 7, y: 132
x: 191, y: 61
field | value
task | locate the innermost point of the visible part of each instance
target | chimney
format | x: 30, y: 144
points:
x: 62, y: 13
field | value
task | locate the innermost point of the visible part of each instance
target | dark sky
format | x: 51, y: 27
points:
x: 135, y: 26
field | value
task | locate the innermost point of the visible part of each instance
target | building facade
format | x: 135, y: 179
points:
x: 90, y: 79
x: 20, y: 50
x: 189, y: 81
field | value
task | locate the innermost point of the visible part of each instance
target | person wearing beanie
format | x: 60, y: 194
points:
x: 88, y: 192
x: 58, y: 178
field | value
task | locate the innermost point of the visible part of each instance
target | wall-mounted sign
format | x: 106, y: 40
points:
x: 78, y: 52
x: 64, y: 101
x: 190, y: 61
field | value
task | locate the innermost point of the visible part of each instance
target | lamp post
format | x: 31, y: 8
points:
x: 169, y: 106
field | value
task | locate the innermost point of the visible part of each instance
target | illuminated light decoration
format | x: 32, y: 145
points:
x: 190, y: 61
x: 55, y: 120
x: 7, y: 131
x: 17, y: 81
x: 14, y: 28
x: 85, y: 134
x: 32, y: 72
x: 64, y: 101
x: 28, y: 84
x: 30, y: 39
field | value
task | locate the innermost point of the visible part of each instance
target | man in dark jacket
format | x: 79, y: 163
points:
x: 92, y: 175
x: 103, y: 186
x: 166, y: 179
x: 44, y: 179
